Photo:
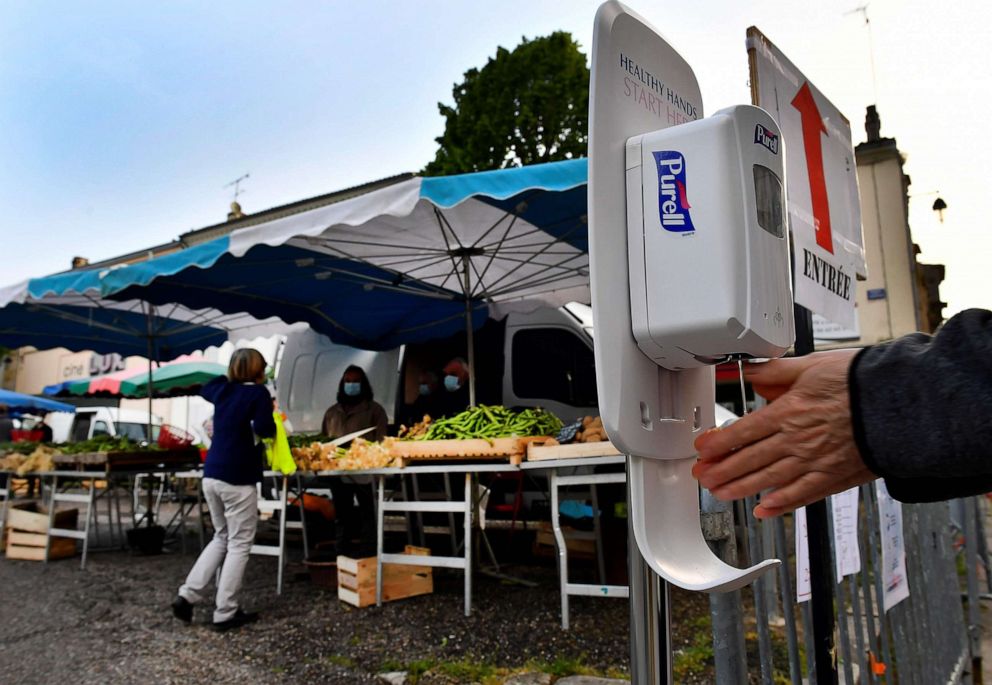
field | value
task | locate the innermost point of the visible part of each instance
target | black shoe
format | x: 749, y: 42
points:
x: 239, y: 619
x: 182, y: 609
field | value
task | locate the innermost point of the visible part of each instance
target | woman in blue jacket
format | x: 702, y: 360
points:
x: 242, y: 414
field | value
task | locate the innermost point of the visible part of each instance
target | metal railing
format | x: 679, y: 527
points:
x: 924, y: 639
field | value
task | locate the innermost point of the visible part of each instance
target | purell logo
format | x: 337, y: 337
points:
x: 673, y: 204
x: 762, y: 136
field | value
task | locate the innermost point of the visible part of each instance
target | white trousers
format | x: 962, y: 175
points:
x: 234, y: 513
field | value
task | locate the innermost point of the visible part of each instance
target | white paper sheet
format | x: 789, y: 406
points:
x: 803, y: 588
x: 845, y: 515
x: 895, y: 584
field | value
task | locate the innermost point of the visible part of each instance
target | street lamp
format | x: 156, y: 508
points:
x: 939, y: 206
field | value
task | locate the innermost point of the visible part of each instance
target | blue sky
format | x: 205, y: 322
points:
x: 123, y: 121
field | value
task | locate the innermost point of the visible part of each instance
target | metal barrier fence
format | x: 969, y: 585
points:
x: 924, y: 639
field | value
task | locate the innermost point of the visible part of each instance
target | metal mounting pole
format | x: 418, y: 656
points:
x: 820, y: 563
x: 650, y: 617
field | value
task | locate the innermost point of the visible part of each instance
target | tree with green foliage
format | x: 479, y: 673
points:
x: 525, y: 106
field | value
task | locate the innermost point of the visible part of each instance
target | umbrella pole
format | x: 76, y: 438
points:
x: 151, y: 389
x: 470, y: 334
x: 149, y: 521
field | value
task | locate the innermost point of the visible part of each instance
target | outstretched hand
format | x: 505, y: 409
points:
x: 801, y: 446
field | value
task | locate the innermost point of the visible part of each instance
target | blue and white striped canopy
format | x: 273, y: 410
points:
x: 393, y: 266
x: 67, y: 310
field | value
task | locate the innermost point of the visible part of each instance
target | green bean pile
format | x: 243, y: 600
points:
x: 488, y: 422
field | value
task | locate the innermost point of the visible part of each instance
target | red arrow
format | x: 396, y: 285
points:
x: 812, y: 128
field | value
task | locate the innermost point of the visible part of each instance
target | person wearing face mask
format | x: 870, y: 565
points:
x: 454, y: 398
x: 426, y: 402
x: 355, y: 409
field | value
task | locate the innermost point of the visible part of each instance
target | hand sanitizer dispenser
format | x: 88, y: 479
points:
x: 707, y: 240
x: 689, y: 265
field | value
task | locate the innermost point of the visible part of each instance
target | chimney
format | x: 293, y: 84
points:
x: 80, y: 262
x: 235, y: 212
x: 873, y: 125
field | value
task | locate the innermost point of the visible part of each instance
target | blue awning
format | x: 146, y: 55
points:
x: 400, y: 264
x: 22, y: 402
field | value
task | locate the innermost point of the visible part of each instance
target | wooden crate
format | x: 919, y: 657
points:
x: 408, y: 451
x: 356, y: 579
x: 27, y: 529
x: 578, y: 547
x: 576, y: 450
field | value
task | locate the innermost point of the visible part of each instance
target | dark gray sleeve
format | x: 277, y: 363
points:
x: 922, y: 409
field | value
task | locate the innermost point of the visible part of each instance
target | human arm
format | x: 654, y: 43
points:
x: 922, y: 410
x: 262, y: 421
x: 801, y: 444
x: 211, y: 390
x: 912, y: 411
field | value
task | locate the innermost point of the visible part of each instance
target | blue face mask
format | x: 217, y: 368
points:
x: 451, y: 383
x: 352, y: 389
x: 425, y: 389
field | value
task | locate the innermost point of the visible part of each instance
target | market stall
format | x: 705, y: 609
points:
x: 411, y: 262
x: 481, y: 440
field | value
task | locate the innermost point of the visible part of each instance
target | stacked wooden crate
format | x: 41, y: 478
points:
x: 356, y: 579
x: 26, y: 532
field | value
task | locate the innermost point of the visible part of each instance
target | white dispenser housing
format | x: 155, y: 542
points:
x: 708, y: 240
x: 681, y: 278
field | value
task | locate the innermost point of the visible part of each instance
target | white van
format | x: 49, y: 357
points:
x: 539, y: 359
x: 89, y: 422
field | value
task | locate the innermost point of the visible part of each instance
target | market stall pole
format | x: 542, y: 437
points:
x: 281, y: 507
x: 469, y: 329
x: 6, y: 494
x: 151, y: 384
x: 87, y: 500
x: 558, y: 480
x: 464, y: 507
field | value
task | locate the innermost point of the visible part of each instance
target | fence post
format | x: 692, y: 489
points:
x: 726, y: 613
x: 758, y: 590
x: 842, y: 624
x: 788, y: 601
x: 971, y: 546
x: 821, y: 575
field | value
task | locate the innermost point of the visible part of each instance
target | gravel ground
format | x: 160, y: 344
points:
x: 112, y: 623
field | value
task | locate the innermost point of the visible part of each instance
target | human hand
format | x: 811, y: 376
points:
x: 801, y: 446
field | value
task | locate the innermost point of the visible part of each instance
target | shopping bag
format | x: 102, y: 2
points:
x: 277, y: 451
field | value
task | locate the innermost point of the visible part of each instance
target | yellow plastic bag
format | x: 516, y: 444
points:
x: 277, y: 451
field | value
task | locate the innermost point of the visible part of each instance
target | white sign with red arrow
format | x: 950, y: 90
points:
x: 824, y: 205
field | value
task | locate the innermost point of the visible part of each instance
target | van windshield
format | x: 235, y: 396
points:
x: 136, y: 431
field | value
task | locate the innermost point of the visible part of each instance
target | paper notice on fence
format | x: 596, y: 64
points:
x: 803, y: 589
x: 845, y: 514
x: 895, y: 584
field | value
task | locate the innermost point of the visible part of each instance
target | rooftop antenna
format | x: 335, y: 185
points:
x: 237, y: 186
x: 863, y: 11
